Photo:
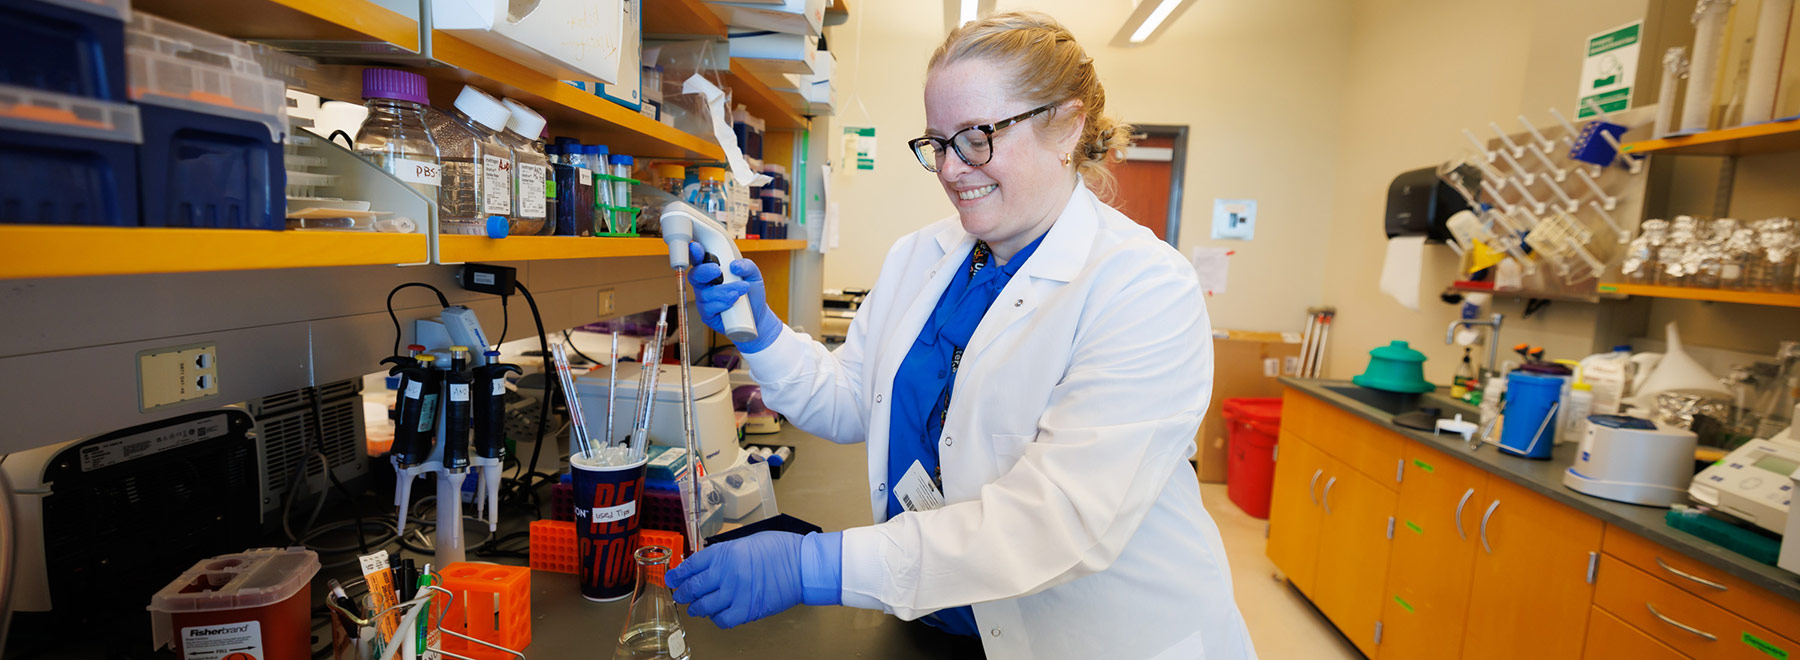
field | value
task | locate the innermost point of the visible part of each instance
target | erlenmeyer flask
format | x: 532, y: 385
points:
x: 651, y: 632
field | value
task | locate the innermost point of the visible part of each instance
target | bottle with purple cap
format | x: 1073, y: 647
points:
x: 394, y: 136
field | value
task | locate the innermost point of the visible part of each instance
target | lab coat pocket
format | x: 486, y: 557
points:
x: 1008, y: 449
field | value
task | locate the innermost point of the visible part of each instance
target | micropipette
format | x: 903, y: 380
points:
x: 490, y: 433
x: 458, y: 409
x: 421, y: 419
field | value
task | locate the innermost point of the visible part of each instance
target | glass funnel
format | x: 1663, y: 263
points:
x: 651, y: 631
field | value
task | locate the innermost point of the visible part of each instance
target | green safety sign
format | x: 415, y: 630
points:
x: 1609, y: 70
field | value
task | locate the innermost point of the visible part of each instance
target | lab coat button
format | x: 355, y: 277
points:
x: 880, y: 488
x: 1018, y: 302
x: 949, y: 441
x: 995, y: 632
x: 878, y: 398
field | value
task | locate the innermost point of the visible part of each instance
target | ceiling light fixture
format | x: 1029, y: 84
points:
x: 1147, y: 20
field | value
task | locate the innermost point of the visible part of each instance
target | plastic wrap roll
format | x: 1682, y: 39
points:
x: 1710, y: 20
x: 1765, y: 60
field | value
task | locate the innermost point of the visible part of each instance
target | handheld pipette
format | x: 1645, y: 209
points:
x: 459, y: 404
x: 453, y: 445
x: 419, y: 420
x: 490, y: 433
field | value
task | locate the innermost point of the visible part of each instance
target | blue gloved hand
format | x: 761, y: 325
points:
x: 758, y: 576
x: 715, y: 297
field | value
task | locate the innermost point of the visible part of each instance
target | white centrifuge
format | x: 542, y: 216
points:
x: 715, y: 423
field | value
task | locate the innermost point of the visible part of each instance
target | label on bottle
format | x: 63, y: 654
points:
x: 497, y: 183
x: 230, y: 640
x: 417, y: 171
x: 459, y: 392
x: 531, y: 180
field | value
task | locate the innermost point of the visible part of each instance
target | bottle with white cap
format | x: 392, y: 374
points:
x: 478, y: 168
x: 530, y: 215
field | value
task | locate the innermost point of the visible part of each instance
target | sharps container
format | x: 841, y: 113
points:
x: 254, y: 603
x: 1530, y: 427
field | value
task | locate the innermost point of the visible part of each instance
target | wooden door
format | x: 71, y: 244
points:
x: 1142, y: 184
x: 1353, y: 553
x: 1294, y: 510
x: 1531, y: 592
x: 1435, y: 541
x: 1608, y: 638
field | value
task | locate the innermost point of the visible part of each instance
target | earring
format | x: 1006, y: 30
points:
x: 1065, y: 159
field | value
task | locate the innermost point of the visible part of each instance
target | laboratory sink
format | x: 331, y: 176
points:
x: 1394, y: 403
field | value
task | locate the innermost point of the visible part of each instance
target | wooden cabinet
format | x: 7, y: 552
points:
x: 1681, y: 620
x: 1294, y: 510
x: 1608, y: 638
x: 1531, y: 589
x: 1352, y: 564
x: 1433, y: 555
x: 1708, y: 583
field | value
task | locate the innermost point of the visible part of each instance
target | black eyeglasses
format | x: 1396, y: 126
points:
x: 974, y: 145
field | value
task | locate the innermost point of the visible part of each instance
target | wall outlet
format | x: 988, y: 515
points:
x: 609, y: 303
x: 1234, y: 219
x: 167, y: 376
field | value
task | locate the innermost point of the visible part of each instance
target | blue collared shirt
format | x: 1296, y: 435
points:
x: 922, y: 386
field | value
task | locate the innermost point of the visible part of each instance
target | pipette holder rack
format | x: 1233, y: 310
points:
x: 494, y: 606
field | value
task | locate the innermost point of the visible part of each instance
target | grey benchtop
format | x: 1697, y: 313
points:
x: 1545, y: 478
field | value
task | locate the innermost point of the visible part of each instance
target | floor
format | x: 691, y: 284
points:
x: 1282, y: 624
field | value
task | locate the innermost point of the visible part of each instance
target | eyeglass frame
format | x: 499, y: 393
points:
x: 987, y: 130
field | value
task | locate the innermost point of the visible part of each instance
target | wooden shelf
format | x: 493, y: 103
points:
x: 324, y: 20
x: 1741, y: 141
x: 761, y: 100
x: 1473, y: 287
x: 839, y: 7
x: 1712, y: 295
x: 681, y: 17
x: 459, y: 249
x: 57, y: 251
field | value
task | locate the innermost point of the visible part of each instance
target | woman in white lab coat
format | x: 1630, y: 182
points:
x: 1028, y: 376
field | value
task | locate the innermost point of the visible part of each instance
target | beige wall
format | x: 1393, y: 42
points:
x: 1256, y: 82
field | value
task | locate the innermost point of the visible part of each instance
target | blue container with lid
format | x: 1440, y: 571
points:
x: 205, y: 170
x: 1530, y: 426
x: 61, y: 49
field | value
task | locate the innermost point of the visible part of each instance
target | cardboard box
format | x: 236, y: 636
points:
x: 1245, y: 365
x: 566, y: 39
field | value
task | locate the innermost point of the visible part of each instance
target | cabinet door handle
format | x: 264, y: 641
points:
x: 1312, y: 488
x: 1459, y: 509
x: 1690, y: 576
x: 1327, y: 499
x: 1484, y: 522
x: 1696, y: 631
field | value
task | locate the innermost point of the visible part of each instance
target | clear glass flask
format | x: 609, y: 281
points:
x: 652, y: 631
x: 394, y: 136
x: 712, y: 198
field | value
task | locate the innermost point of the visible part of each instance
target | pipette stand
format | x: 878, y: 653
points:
x: 447, y: 542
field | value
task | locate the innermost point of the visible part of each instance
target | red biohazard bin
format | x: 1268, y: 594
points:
x: 1252, y: 427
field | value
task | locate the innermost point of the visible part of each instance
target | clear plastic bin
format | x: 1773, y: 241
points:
x: 115, y: 9
x: 285, y: 67
x: 39, y: 111
x: 241, y: 87
x: 164, y: 36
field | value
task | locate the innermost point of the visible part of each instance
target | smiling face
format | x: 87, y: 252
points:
x: 1015, y: 197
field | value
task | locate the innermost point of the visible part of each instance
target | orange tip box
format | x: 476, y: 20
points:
x: 674, y: 541
x: 251, y: 604
x: 553, y: 546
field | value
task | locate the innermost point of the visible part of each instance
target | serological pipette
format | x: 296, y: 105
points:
x: 577, y: 422
x: 612, y: 388
x: 694, y: 451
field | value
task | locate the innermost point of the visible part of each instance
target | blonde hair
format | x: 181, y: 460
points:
x: 1048, y: 67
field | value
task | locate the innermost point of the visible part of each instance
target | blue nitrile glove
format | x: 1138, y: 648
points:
x: 715, y: 297
x: 760, y: 575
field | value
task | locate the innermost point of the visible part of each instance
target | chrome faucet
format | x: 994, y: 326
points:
x: 1493, y: 324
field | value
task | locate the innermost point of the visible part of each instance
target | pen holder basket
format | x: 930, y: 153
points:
x: 361, y: 646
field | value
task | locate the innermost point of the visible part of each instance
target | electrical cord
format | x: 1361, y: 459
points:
x: 549, y: 382
x: 570, y: 342
x: 318, y: 412
x: 442, y: 300
x: 505, y: 322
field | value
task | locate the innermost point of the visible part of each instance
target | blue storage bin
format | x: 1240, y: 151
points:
x: 61, y: 180
x: 205, y: 170
x: 63, y: 50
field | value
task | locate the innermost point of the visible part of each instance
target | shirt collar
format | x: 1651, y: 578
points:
x: 1066, y: 246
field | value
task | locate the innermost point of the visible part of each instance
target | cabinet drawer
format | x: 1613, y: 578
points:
x: 1683, y: 621
x: 1611, y: 639
x: 1364, y: 446
x: 1720, y: 588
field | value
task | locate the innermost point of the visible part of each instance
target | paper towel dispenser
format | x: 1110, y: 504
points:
x: 1419, y: 202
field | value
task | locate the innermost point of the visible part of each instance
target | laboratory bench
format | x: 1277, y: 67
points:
x: 1434, y: 546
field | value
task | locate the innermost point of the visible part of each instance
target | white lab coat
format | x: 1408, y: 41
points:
x: 1073, y: 523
